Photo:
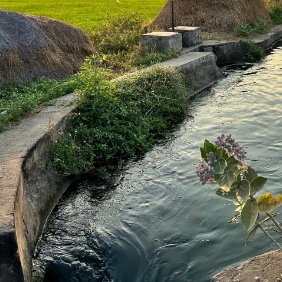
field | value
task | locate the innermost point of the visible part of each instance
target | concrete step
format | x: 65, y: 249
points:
x: 199, y: 67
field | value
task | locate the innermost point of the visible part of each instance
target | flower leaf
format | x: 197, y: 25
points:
x: 251, y: 235
x: 209, y: 147
x: 229, y: 196
x: 244, y: 189
x: 256, y: 184
x: 249, y: 213
x: 219, y: 166
x: 203, y: 152
x: 267, y: 203
x: 221, y: 154
x: 251, y: 174
x: 226, y: 179
x: 231, y: 163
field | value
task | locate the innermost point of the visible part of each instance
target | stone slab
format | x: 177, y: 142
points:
x: 162, y: 41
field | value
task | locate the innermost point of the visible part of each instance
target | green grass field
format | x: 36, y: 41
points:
x: 86, y: 14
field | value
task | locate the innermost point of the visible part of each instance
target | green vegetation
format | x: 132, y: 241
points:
x: 119, y: 39
x: 274, y: 8
x: 16, y: 101
x: 86, y: 14
x: 113, y: 120
x: 259, y: 26
x: 224, y: 163
x: 251, y: 51
x: 121, y: 119
x: 276, y: 15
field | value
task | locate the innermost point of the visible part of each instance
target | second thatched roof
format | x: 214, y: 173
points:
x: 210, y: 15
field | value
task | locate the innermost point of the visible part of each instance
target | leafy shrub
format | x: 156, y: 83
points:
x: 120, y: 119
x: 276, y: 15
x: 246, y: 29
x: 261, y: 25
x: 243, y: 29
x: 119, y: 34
x: 251, y: 51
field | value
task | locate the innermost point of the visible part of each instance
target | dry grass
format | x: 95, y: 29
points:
x: 210, y: 15
x: 34, y: 47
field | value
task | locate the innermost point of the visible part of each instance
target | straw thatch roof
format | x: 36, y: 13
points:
x: 210, y: 15
x: 32, y: 47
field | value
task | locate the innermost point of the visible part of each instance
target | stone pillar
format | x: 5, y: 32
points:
x: 162, y: 41
x: 190, y: 35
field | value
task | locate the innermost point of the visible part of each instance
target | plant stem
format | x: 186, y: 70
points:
x: 274, y: 221
x: 268, y: 235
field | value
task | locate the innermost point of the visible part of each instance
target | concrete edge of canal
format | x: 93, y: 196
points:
x: 29, y: 189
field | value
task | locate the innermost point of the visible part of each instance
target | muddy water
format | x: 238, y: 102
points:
x: 152, y: 220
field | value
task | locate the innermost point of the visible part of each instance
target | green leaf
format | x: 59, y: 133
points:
x: 203, y: 152
x: 244, y: 189
x: 251, y: 235
x: 234, y: 186
x: 219, y: 166
x: 217, y: 177
x: 249, y: 213
x: 226, y: 180
x: 224, y: 154
x: 251, y: 174
x: 229, y: 196
x: 231, y: 163
x: 221, y: 154
x: 256, y: 184
x: 209, y: 147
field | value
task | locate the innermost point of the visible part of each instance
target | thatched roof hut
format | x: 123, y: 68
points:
x: 209, y: 15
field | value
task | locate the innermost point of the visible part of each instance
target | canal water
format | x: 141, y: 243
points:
x: 152, y: 220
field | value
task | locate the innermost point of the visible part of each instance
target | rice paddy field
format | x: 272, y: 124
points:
x: 86, y: 14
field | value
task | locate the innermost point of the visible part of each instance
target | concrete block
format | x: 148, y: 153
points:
x: 226, y: 52
x: 190, y: 35
x: 162, y: 41
x: 200, y: 69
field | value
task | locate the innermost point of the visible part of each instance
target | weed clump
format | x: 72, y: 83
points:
x: 246, y: 29
x: 251, y: 51
x: 121, y: 119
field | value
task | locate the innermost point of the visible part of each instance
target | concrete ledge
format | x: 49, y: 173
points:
x: 200, y: 69
x: 28, y: 189
x: 229, y: 52
x: 162, y: 41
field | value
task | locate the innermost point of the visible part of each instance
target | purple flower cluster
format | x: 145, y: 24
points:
x: 205, y: 171
x: 224, y: 141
